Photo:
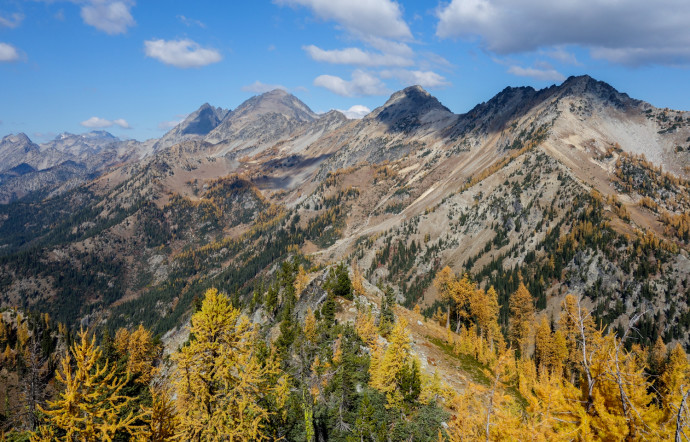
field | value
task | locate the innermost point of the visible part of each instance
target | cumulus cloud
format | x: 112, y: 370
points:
x: 111, y: 17
x: 633, y: 32
x: 538, y: 73
x: 381, y: 18
x: 356, y: 56
x: 356, y: 112
x: 102, y: 123
x: 427, y: 79
x: 361, y: 84
x: 8, y: 52
x: 259, y: 88
x: 12, y: 21
x: 181, y: 53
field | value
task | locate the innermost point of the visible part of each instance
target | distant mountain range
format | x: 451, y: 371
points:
x: 573, y: 188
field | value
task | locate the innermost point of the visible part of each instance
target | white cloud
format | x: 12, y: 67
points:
x: 356, y: 56
x: 13, y: 21
x: 561, y: 55
x: 181, y: 53
x: 356, y: 112
x: 543, y: 73
x: 8, y: 52
x: 631, y: 32
x: 426, y: 79
x: 259, y: 88
x: 190, y: 21
x: 102, y: 123
x: 362, y: 83
x: 381, y: 18
x: 111, y: 17
x: 122, y: 123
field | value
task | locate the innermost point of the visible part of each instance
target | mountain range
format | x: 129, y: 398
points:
x: 576, y: 188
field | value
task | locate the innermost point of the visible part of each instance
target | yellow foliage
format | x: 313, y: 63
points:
x: 521, y: 318
x: 161, y: 418
x: 140, y: 351
x: 91, y: 404
x: 301, y: 281
x: 386, y: 369
x: 365, y: 325
x: 219, y: 380
x: 310, y: 326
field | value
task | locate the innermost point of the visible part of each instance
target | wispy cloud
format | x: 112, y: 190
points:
x: 259, y: 88
x: 102, y: 123
x: 427, y: 79
x: 361, y: 84
x: 181, y: 53
x: 111, y: 17
x: 190, y: 21
x: 12, y: 21
x: 356, y: 56
x: 538, y: 73
x: 381, y: 18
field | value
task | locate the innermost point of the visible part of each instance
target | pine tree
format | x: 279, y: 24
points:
x: 443, y: 282
x: 386, y: 313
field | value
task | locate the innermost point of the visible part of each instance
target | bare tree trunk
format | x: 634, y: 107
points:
x: 679, y: 418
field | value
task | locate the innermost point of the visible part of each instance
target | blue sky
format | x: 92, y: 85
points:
x: 135, y: 68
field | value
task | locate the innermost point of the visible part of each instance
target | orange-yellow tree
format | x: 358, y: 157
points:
x: 91, y: 405
x: 220, y: 381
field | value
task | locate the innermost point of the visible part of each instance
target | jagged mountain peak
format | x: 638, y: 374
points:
x: 586, y: 86
x: 20, y: 137
x: 202, y: 121
x: 197, y: 124
x: 411, y: 101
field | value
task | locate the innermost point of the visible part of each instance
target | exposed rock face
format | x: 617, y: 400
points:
x: 259, y: 123
x: 501, y: 191
x: 197, y: 125
x: 62, y: 163
x: 18, y: 149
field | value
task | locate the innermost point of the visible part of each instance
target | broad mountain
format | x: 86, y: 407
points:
x: 573, y: 188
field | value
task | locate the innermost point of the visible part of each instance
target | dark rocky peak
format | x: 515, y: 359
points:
x: 202, y: 121
x: 276, y: 101
x: 411, y: 102
x: 587, y: 87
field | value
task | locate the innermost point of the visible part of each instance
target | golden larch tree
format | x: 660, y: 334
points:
x: 91, y: 405
x: 521, y: 319
x: 220, y: 382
